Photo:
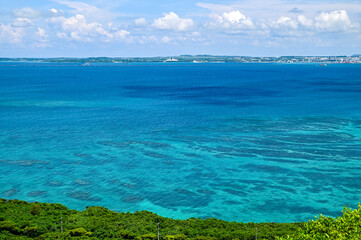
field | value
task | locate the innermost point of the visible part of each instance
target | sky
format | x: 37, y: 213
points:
x: 141, y: 28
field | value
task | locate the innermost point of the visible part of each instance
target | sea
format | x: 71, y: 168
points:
x: 246, y: 142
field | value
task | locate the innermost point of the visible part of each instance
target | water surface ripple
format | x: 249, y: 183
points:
x: 240, y: 142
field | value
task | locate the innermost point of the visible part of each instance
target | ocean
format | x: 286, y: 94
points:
x: 238, y: 142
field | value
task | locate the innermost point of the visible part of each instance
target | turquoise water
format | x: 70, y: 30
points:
x: 239, y: 142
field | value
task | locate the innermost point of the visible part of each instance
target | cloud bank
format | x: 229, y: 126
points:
x: 273, y: 23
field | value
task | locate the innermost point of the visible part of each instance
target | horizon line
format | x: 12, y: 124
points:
x: 183, y: 55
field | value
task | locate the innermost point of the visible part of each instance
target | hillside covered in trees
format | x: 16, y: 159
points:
x: 23, y: 220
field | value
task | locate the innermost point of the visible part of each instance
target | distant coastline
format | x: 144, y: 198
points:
x: 356, y: 58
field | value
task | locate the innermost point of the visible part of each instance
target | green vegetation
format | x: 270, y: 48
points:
x: 23, y: 220
x: 348, y: 226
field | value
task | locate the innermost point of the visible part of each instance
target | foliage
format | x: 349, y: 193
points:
x: 31, y: 231
x: 176, y: 237
x: 77, y: 232
x: 22, y: 220
x: 348, y: 226
x: 149, y: 236
x: 9, y: 226
x: 54, y: 235
x: 35, y: 209
x: 124, y: 234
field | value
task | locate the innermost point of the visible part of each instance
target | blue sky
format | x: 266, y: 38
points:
x: 65, y: 28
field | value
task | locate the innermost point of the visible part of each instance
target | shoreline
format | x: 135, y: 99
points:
x: 24, y: 220
x: 43, y: 221
x: 196, y: 59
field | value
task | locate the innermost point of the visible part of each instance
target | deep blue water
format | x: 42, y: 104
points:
x: 240, y: 142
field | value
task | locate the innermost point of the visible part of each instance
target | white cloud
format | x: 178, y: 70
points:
x: 78, y: 28
x: 120, y: 34
x: 30, y: 13
x: 41, y: 33
x: 285, y: 23
x: 273, y: 9
x: 22, y: 23
x: 26, y: 12
x: 9, y: 34
x: 78, y: 23
x: 304, y: 22
x: 233, y: 20
x: 336, y: 21
x: 91, y: 12
x: 139, y: 22
x: 54, y: 13
x: 297, y: 27
x: 255, y: 21
x: 172, y: 21
x: 166, y: 39
x: 41, y: 39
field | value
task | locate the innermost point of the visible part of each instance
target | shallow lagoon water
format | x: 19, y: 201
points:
x: 239, y: 142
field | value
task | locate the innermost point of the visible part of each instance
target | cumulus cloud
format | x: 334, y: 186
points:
x: 304, y: 22
x: 81, y: 22
x: 22, y: 23
x: 119, y: 34
x: 26, y: 12
x: 233, y: 20
x: 285, y: 23
x: 54, y: 13
x: 298, y: 26
x: 271, y: 9
x: 78, y: 23
x: 9, y: 34
x: 336, y: 21
x: 78, y: 28
x: 172, y: 21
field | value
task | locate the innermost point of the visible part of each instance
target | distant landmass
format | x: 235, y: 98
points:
x: 356, y: 58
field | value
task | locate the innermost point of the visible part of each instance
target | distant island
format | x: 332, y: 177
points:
x: 356, y: 58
